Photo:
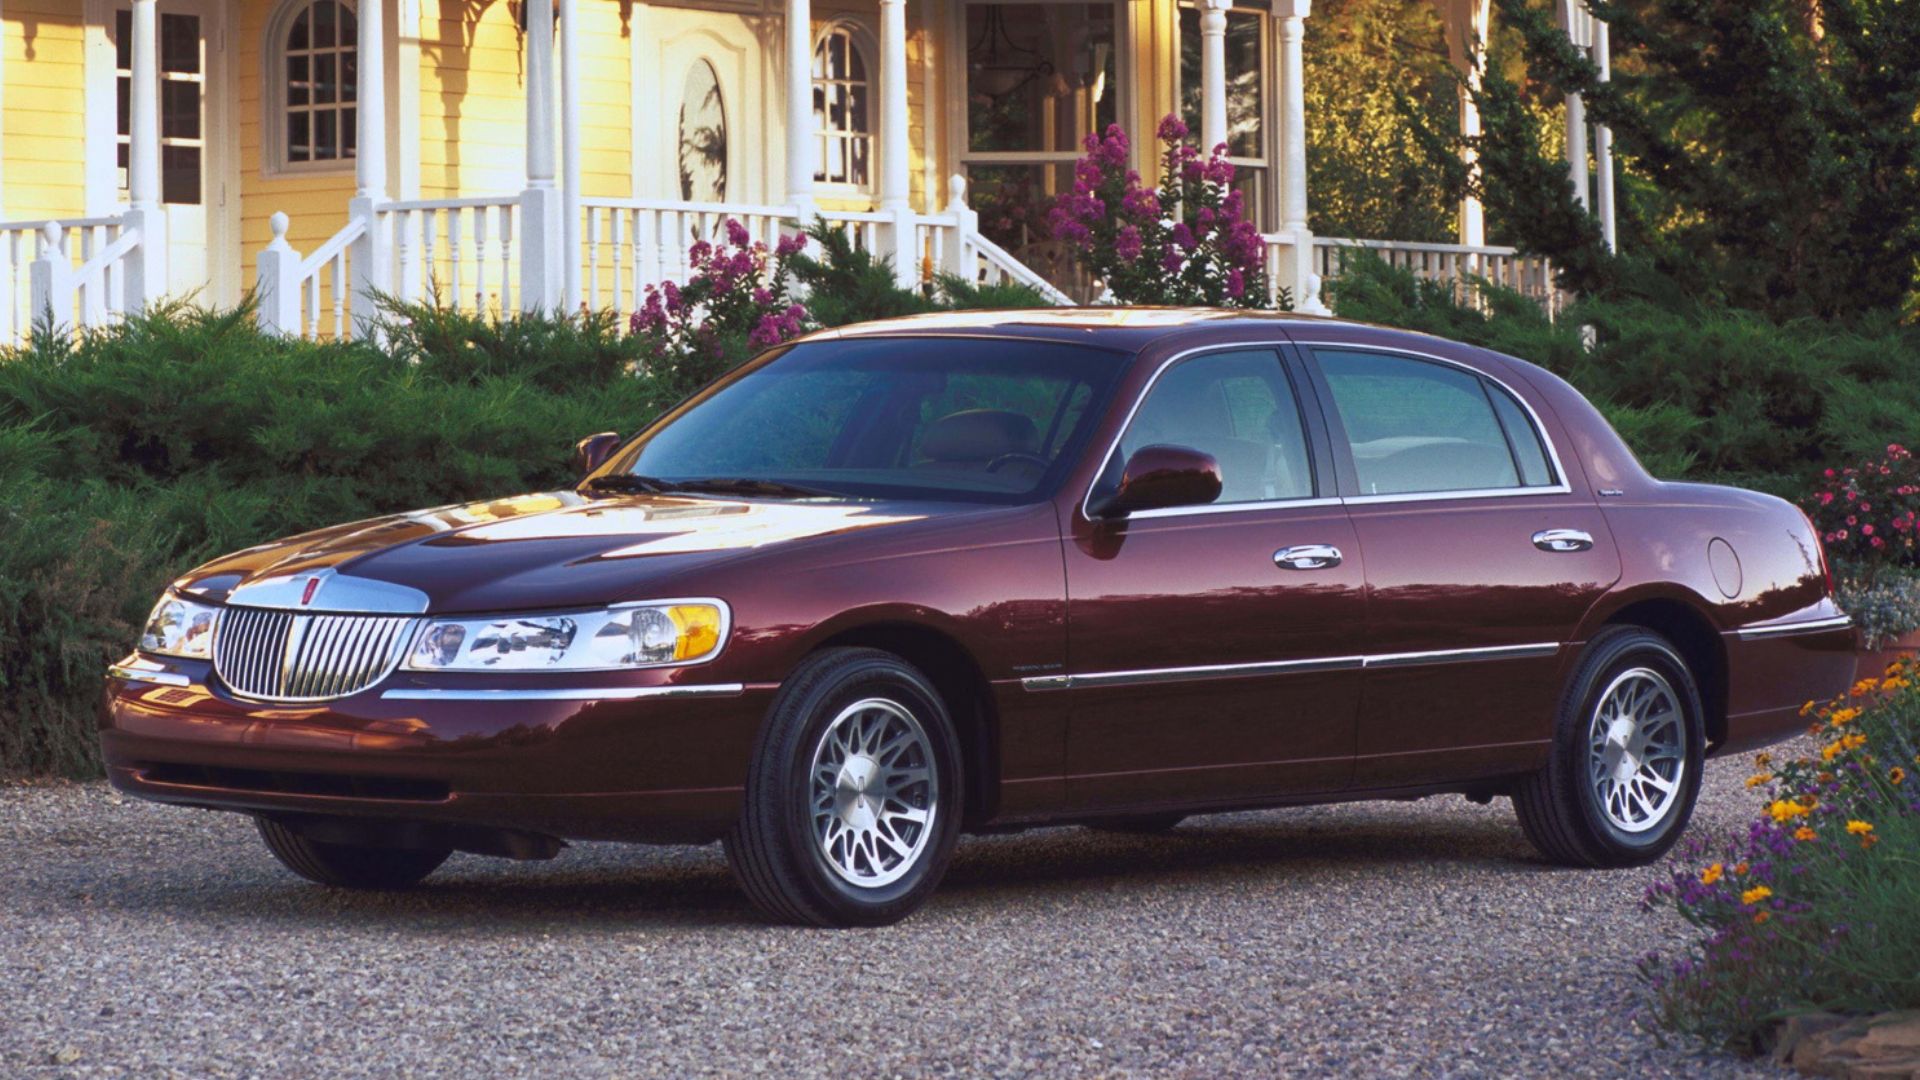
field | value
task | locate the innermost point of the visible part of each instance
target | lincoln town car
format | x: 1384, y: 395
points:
x: 894, y: 582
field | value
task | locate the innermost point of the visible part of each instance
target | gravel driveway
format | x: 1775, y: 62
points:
x: 1376, y: 938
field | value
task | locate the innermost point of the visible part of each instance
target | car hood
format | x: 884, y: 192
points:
x: 546, y: 550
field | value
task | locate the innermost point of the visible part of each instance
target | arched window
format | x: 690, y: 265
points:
x: 703, y: 136
x: 313, y: 75
x: 843, y: 108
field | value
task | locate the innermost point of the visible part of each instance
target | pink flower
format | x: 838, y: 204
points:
x: 1236, y: 283
x: 791, y: 244
x: 1171, y: 129
x: 1126, y: 243
x: 737, y: 234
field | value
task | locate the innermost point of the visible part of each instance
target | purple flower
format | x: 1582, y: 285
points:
x: 791, y: 244
x: 737, y: 234
x: 1126, y: 243
x: 1171, y: 129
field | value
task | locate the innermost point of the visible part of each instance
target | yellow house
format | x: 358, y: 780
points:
x: 550, y: 154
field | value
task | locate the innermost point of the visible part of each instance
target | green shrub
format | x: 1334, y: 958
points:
x: 1704, y: 393
x: 1812, y: 907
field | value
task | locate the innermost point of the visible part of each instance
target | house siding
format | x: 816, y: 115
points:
x: 44, y: 128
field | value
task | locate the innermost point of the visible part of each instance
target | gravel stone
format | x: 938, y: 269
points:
x: 1385, y: 939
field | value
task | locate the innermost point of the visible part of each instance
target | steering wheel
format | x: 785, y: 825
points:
x: 1035, y: 460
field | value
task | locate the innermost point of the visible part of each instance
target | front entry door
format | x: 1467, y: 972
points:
x: 191, y: 187
x: 1206, y: 666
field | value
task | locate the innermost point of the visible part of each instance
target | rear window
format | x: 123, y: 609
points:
x: 1415, y: 426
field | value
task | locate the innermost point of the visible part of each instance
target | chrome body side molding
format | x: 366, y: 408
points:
x: 1804, y: 626
x: 562, y: 693
x: 1286, y: 667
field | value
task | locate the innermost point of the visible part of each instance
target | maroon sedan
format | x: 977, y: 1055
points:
x: 897, y: 581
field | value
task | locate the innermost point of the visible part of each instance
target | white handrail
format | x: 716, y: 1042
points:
x: 1011, y: 269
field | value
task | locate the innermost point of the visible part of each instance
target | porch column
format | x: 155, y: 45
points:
x: 372, y: 253
x: 1213, y: 74
x: 1603, y: 142
x: 1295, y: 269
x: 802, y: 144
x: 1467, y: 42
x: 146, y: 266
x: 570, y: 250
x: 895, y: 153
x: 540, y: 240
x: 1579, y: 26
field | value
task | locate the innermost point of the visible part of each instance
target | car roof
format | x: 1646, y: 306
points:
x: 1124, y: 328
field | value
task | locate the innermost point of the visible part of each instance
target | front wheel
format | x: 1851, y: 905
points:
x: 1628, y: 752
x: 349, y: 866
x: 853, y: 800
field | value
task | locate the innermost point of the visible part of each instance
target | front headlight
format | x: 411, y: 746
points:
x: 180, y: 627
x: 636, y: 635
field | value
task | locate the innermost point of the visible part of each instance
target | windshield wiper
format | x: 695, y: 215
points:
x: 651, y: 485
x: 746, y: 485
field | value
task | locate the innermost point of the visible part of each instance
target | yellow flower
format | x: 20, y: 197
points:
x: 1894, y: 682
x: 1859, y: 828
x: 1897, y: 774
x: 1830, y: 751
x: 1784, y: 811
x: 1865, y: 686
x: 1843, y: 717
x: 1854, y: 741
x: 1755, y: 895
x: 1756, y: 781
x: 1711, y: 874
x: 1807, y: 708
x: 1804, y: 833
x: 1762, y: 760
x: 1761, y: 916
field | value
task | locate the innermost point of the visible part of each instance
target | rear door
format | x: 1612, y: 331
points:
x: 1483, y: 551
x: 1206, y: 665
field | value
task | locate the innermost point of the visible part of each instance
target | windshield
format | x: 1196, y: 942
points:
x: 939, y: 418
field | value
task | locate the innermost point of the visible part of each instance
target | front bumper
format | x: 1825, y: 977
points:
x: 655, y: 755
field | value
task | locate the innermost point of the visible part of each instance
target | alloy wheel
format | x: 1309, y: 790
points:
x: 874, y: 793
x: 1637, y: 750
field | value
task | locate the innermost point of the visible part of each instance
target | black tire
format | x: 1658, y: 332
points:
x: 1560, y: 808
x: 775, y: 852
x: 349, y: 866
x: 1138, y: 824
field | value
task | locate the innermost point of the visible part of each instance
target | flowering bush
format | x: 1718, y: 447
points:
x: 1813, y: 907
x: 737, y: 300
x: 1870, y: 515
x: 1187, y: 242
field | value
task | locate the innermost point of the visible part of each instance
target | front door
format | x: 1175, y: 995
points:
x: 1483, y: 555
x: 1214, y: 651
x: 193, y: 190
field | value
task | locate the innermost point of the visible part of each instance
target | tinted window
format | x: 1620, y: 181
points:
x: 928, y: 418
x: 1416, y: 426
x: 1239, y: 407
x: 1528, y: 450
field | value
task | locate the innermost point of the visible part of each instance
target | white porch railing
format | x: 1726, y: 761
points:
x: 633, y: 243
x: 82, y: 275
x: 1459, y: 266
x: 454, y: 253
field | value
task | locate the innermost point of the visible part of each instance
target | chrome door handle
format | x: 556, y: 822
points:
x: 1307, y: 557
x: 1562, y: 540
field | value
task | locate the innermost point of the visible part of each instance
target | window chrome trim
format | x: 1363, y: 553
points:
x: 563, y: 693
x: 1561, y: 487
x: 1804, y: 626
x: 1148, y: 676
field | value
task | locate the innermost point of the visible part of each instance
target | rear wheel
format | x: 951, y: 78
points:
x: 1628, y: 752
x: 349, y: 866
x: 853, y: 801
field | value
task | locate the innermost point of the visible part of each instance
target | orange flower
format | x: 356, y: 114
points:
x: 1711, y: 874
x: 1859, y: 828
x: 1761, y: 917
x: 1897, y: 774
x: 1854, y: 741
x: 1804, y: 833
x: 1758, y: 779
x: 1762, y: 760
x: 1865, y: 686
x: 1843, y: 717
x: 1868, y: 841
x: 1740, y: 869
x: 1783, y: 812
x: 1807, y: 708
x: 1755, y: 895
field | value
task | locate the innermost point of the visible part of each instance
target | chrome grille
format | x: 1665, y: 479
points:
x: 278, y: 655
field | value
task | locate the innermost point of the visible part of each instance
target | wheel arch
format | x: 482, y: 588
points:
x: 1683, y: 620
x: 962, y: 685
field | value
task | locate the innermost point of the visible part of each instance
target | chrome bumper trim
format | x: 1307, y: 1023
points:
x: 1149, y: 676
x: 161, y: 678
x: 564, y: 693
x: 1805, y: 626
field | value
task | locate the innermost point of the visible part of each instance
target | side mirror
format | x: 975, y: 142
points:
x: 593, y: 451
x: 1161, y: 476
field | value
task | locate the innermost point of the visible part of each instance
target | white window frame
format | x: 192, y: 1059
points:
x: 1269, y: 115
x: 273, y: 97
x: 859, y: 38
